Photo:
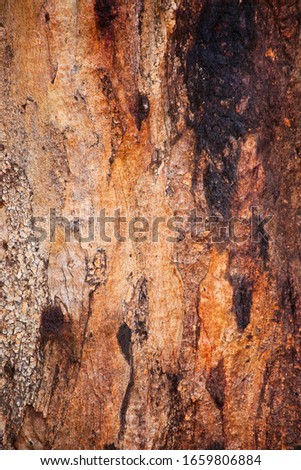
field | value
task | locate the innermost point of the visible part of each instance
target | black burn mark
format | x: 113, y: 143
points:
x: 218, y: 68
x: 124, y: 337
x: 125, y: 405
x: 242, y: 300
x: 105, y: 11
x: 289, y: 304
x: 288, y: 298
x: 263, y: 238
x: 174, y: 380
x: 218, y: 189
x: 176, y: 411
x: 215, y: 384
x: 140, y: 17
x: 216, y: 445
x: 52, y: 323
x: 110, y: 446
x: 9, y: 370
x: 141, y: 312
x: 142, y: 109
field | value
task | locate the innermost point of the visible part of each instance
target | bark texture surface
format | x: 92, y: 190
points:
x: 156, y: 108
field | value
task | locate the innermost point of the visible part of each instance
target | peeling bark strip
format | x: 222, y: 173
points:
x: 155, y: 109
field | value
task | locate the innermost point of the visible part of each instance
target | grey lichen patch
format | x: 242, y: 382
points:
x: 24, y: 281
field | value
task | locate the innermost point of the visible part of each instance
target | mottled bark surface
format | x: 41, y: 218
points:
x: 156, y: 108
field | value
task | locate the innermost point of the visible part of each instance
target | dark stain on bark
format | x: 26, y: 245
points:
x: 110, y: 446
x: 124, y: 337
x: 106, y: 13
x: 242, y: 300
x: 140, y: 16
x: 220, y: 55
x: 263, y: 237
x: 125, y: 404
x: 288, y: 297
x: 289, y: 303
x: 218, y: 68
x: 52, y: 322
x: 176, y: 412
x: 216, y: 445
x: 280, y: 402
x: 9, y: 53
x: 9, y: 370
x: 215, y: 384
x: 218, y: 189
x: 141, y: 312
x: 142, y: 109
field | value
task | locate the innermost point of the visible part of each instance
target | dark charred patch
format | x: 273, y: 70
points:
x: 9, y: 53
x: 52, y: 322
x: 174, y: 380
x: 12, y: 438
x: 219, y: 56
x: 279, y: 400
x: 47, y: 17
x: 2, y: 148
x: 242, y: 300
x: 288, y: 298
x: 143, y: 108
x: 124, y: 337
x: 176, y: 411
x: 125, y: 405
x: 218, y: 66
x: 218, y: 189
x: 141, y: 312
x: 263, y: 238
x: 9, y: 370
x: 215, y: 445
x: 55, y: 379
x: 110, y: 446
x: 106, y: 13
x: 141, y: 330
x: 215, y: 384
x: 140, y: 16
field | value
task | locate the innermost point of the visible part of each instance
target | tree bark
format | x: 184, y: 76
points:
x: 158, y: 109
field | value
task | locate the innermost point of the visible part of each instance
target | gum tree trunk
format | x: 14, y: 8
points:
x: 159, y: 109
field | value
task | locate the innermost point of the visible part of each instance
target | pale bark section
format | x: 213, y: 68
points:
x: 150, y: 353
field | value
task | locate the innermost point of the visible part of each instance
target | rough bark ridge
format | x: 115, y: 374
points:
x: 156, y: 108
